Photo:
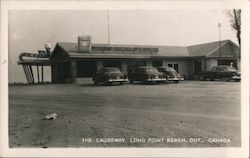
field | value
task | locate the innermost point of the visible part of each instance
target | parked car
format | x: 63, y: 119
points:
x: 223, y: 72
x: 171, y: 74
x: 146, y: 74
x: 109, y: 75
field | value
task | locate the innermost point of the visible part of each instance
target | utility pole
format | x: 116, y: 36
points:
x: 219, y: 25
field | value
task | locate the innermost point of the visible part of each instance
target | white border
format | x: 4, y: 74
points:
x: 124, y: 152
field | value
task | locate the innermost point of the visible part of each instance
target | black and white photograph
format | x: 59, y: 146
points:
x: 125, y: 78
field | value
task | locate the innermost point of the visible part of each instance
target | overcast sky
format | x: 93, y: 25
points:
x: 30, y: 30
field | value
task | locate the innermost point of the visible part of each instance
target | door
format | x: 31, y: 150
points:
x: 197, y: 67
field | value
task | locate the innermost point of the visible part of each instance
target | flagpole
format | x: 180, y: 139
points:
x: 108, y: 26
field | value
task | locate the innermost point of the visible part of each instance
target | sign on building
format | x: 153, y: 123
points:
x: 84, y: 43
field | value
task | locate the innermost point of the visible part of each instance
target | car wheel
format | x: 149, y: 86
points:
x: 145, y: 82
x: 176, y: 81
x: 202, y: 78
x: 107, y: 83
x: 121, y: 83
x: 95, y: 82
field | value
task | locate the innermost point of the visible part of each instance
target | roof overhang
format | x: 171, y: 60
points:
x: 118, y: 56
x: 35, y: 62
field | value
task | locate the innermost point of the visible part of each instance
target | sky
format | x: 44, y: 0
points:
x: 29, y: 30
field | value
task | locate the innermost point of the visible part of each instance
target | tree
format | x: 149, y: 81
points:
x: 235, y: 21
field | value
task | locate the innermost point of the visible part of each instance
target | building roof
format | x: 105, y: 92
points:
x: 201, y: 50
x: 35, y: 62
x: 206, y: 48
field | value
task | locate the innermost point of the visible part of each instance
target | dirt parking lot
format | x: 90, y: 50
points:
x: 188, y: 114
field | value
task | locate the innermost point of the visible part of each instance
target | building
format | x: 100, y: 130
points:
x: 70, y: 61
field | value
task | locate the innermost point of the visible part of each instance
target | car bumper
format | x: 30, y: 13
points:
x: 156, y: 79
x: 176, y: 79
x: 118, y: 80
x: 236, y: 78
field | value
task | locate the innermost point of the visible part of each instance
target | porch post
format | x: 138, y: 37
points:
x: 99, y: 64
x: 73, y: 71
x: 124, y: 66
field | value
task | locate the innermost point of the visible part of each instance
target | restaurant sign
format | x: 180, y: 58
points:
x: 125, y: 50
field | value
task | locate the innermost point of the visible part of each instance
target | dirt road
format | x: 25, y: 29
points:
x: 189, y: 114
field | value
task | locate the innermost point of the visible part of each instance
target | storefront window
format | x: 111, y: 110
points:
x: 176, y: 67
x: 112, y: 63
x: 157, y: 63
x: 232, y: 63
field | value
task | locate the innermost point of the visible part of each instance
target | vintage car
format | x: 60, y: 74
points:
x: 223, y: 72
x: 171, y: 74
x: 146, y: 74
x: 109, y: 75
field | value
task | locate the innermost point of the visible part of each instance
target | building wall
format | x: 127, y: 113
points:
x: 185, y: 67
x: 239, y: 64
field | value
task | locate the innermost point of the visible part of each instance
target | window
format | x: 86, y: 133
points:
x: 170, y: 65
x: 140, y: 63
x: 157, y: 63
x: 228, y: 62
x: 176, y: 67
x: 112, y: 63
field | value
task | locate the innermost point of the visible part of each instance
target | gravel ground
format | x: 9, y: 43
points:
x: 188, y: 114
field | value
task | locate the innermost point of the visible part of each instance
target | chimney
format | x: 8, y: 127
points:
x: 84, y: 44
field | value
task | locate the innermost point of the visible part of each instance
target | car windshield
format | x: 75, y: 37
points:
x: 112, y: 70
x: 151, y: 70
